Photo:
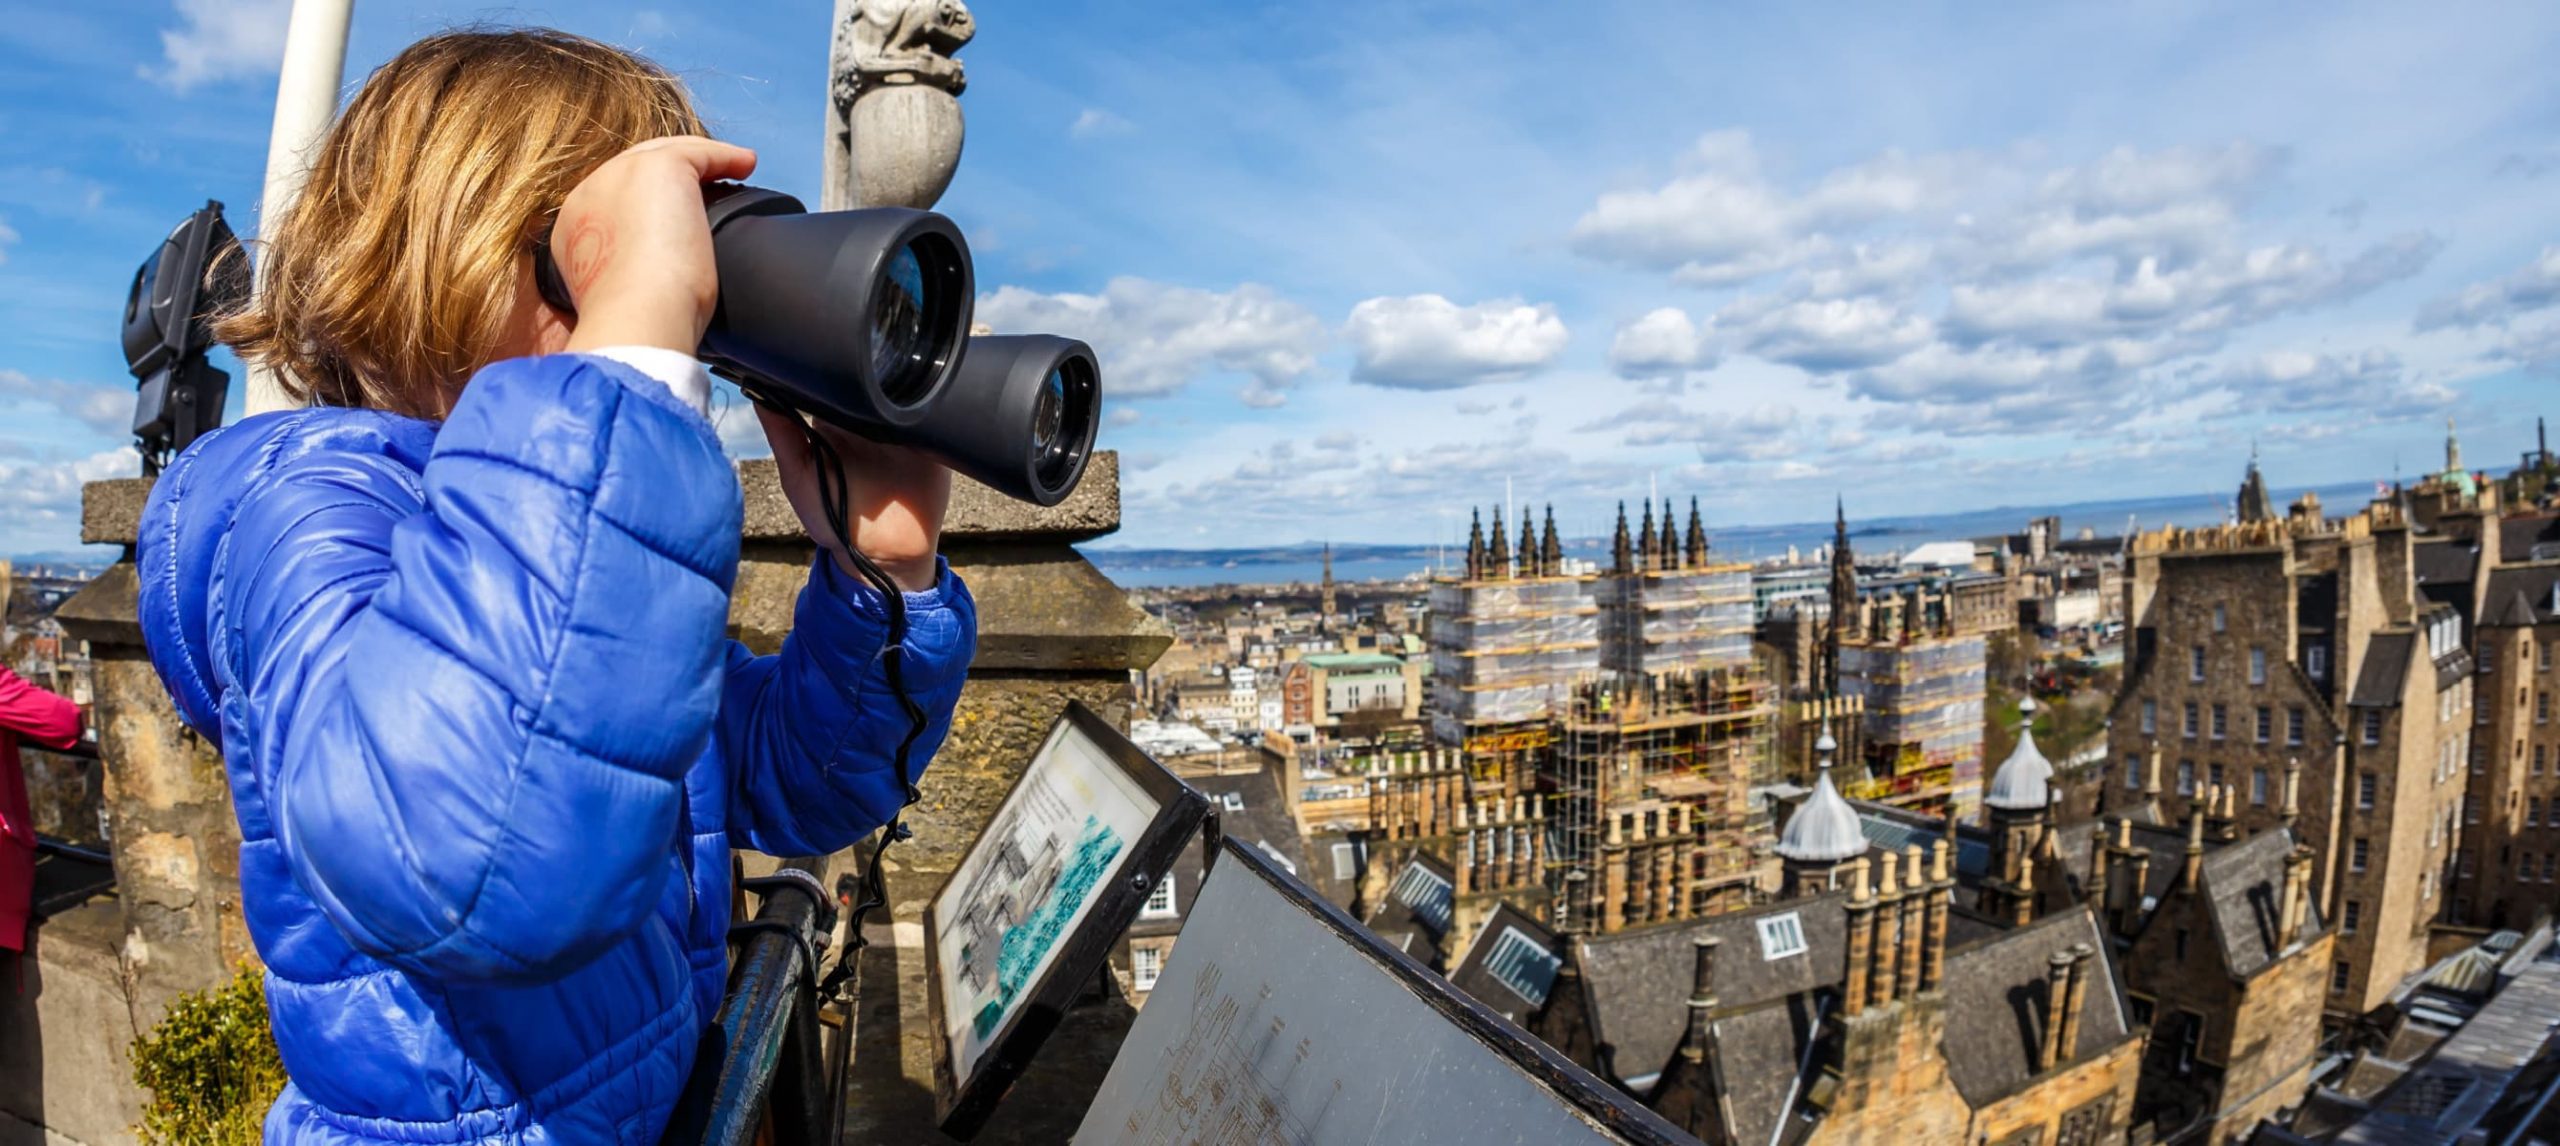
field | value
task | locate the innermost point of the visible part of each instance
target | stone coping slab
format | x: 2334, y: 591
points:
x: 111, y: 510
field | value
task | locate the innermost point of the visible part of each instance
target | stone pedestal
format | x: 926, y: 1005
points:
x: 1051, y: 628
x: 168, y: 807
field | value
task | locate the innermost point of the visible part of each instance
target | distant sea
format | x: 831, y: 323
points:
x: 1303, y: 563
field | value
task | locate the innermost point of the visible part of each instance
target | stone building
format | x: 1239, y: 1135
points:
x: 2272, y: 642
x: 1868, y: 1012
x: 2510, y: 861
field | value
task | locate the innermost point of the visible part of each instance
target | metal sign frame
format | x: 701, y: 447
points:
x: 965, y: 1094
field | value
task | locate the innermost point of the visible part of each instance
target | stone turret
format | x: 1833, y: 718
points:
x: 1621, y: 550
x: 1697, y: 547
x: 1822, y: 835
x: 1475, y: 545
x: 1551, y: 549
x: 1530, y: 566
x: 1498, y: 561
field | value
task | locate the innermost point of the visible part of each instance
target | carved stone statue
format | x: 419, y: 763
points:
x: 894, y: 128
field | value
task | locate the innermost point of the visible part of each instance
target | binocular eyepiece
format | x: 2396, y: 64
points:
x: 861, y: 319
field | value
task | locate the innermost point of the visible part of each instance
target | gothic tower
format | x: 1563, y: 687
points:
x: 1844, y: 597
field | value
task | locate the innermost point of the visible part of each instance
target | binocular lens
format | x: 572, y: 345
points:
x: 900, y: 341
x: 1061, y: 419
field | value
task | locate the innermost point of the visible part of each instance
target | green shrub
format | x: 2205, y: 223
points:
x: 211, y: 1067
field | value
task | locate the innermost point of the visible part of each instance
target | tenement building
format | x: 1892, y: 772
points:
x: 2301, y: 640
x: 2510, y: 862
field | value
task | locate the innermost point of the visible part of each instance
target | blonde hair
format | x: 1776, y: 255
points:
x: 392, y: 275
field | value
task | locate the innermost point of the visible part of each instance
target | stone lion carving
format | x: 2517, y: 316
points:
x: 884, y: 42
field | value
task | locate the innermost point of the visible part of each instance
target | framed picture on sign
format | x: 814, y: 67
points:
x: 1031, y: 914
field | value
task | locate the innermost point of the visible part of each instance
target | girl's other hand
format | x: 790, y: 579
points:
x: 895, y: 496
x: 634, y: 245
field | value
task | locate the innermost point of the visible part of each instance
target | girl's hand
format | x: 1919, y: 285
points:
x: 895, y: 498
x: 634, y: 245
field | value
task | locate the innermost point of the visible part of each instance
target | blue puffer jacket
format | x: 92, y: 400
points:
x: 489, y: 746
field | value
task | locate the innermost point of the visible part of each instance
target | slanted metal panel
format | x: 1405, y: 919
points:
x: 1277, y: 1020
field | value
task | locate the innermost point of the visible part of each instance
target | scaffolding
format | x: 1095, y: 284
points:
x: 1924, y: 710
x: 1676, y: 620
x: 1650, y: 812
x: 1502, y: 651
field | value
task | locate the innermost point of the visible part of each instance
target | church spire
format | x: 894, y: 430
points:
x: 1844, y: 597
x: 1621, y: 551
x: 1650, y: 559
x: 1529, y: 566
x: 1697, y: 536
x: 1498, y: 560
x: 1551, y: 550
x: 1324, y: 618
x: 1475, y: 546
x: 2452, y: 449
x: 1669, y: 546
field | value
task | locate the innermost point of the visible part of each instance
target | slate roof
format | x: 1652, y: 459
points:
x: 1762, y: 1052
x: 2244, y: 885
x: 1996, y: 1005
x: 2518, y: 535
x: 2449, y: 1094
x: 1639, y: 980
x: 1519, y: 984
x: 1263, y: 820
x: 1893, y: 829
x: 2521, y: 596
x: 2443, y: 561
x: 2386, y: 670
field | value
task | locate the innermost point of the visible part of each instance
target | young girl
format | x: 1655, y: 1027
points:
x: 459, y: 624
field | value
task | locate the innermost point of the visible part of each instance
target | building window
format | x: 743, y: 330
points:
x: 2367, y: 786
x: 2190, y: 1039
x: 2213, y: 775
x: 2221, y: 721
x: 2550, y: 865
x: 2293, y: 720
x: 2150, y: 717
x: 2195, y: 663
x: 2373, y: 726
x: 2257, y: 666
x: 1160, y: 903
x: 2266, y: 724
x: 2193, y: 724
x: 2258, y: 786
x: 2537, y: 759
x: 2541, y: 707
x: 2186, y: 777
x: 2338, y: 973
x: 2221, y: 619
x: 1346, y: 861
x: 1524, y: 965
x: 1146, y: 965
x: 2357, y: 856
x: 2316, y: 660
x: 2132, y: 771
x: 1781, y: 936
x: 2532, y: 812
x: 2351, y: 918
x: 2471, y: 809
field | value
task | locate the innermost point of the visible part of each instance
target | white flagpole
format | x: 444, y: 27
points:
x: 315, y: 62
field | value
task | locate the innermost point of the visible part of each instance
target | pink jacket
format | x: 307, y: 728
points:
x: 51, y: 722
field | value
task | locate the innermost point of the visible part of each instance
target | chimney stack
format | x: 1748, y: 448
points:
x: 1888, y: 942
x: 1942, y: 888
x: 2151, y: 773
x: 2191, y: 870
x: 2297, y: 895
x: 1702, y: 997
x: 2075, y: 1001
x: 2292, y: 806
x: 1861, y: 938
x: 2057, y: 999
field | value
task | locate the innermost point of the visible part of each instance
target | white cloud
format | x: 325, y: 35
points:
x: 2534, y: 286
x: 221, y: 40
x: 2370, y: 384
x: 106, y: 409
x: 1836, y: 334
x: 8, y: 236
x: 1978, y: 293
x: 1154, y: 338
x: 1663, y: 344
x: 1426, y: 342
x: 1094, y: 122
x: 40, y: 501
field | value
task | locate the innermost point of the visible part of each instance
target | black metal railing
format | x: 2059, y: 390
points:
x: 759, y: 1069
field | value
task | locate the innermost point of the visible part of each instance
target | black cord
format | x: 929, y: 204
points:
x: 833, y: 501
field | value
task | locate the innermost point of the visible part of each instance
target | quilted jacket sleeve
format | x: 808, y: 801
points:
x: 48, y: 720
x: 481, y: 686
x: 811, y: 735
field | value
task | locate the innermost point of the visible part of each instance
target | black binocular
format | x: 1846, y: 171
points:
x: 860, y: 319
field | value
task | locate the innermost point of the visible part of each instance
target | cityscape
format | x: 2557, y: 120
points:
x: 1941, y: 580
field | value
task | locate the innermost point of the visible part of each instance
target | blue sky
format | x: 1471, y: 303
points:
x: 1352, y: 265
